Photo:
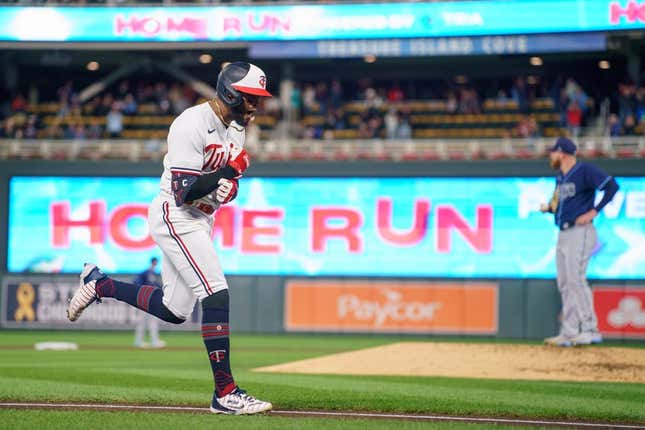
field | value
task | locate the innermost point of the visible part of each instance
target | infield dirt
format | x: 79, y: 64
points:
x: 497, y: 361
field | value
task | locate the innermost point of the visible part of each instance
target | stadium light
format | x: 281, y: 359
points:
x: 604, y: 64
x: 536, y: 61
x: 93, y: 66
x: 205, y: 58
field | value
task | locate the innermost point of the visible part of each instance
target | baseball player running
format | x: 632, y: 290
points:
x: 205, y: 159
x: 574, y: 210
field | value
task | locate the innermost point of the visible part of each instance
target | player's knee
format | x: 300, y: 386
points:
x: 218, y: 300
x: 168, y: 316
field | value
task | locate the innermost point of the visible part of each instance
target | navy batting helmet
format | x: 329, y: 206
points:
x: 238, y: 78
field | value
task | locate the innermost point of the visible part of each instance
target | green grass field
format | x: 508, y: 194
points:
x: 107, y: 370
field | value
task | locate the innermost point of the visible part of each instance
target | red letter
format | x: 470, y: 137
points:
x: 480, y: 239
x: 197, y: 27
x: 262, y: 26
x: 119, y: 227
x: 412, y: 236
x: 250, y: 231
x: 232, y: 23
x: 631, y: 12
x: 350, y: 231
x: 225, y: 223
x: 276, y: 24
x: 121, y: 24
x: 61, y: 223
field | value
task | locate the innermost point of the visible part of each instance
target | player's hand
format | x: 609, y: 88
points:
x: 586, y: 217
x: 226, y: 190
x: 239, y: 160
x: 544, y: 207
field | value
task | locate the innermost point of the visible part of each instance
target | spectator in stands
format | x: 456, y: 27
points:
x: 469, y: 101
x: 295, y: 102
x: 574, y: 118
x: 391, y: 121
x: 335, y: 95
x: 114, y: 121
x: 626, y: 100
x: 395, y: 94
x: 640, y: 104
x: 129, y: 105
x: 614, y: 128
x: 404, y: 130
x: 309, y: 99
x: 31, y: 129
x: 629, y: 126
x: 452, y: 104
x: 501, y: 97
x: 372, y: 99
x: 520, y: 94
x: 19, y: 104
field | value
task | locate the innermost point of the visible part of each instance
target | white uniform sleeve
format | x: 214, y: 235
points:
x: 185, y: 146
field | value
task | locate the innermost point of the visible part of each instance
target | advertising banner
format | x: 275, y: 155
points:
x: 317, y: 21
x: 391, y: 307
x: 439, y: 46
x: 620, y: 310
x: 30, y: 302
x: 411, y: 227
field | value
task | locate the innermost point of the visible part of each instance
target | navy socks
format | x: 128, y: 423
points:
x: 145, y: 297
x: 215, y: 332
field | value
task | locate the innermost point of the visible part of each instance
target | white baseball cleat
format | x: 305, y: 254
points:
x: 587, y: 338
x: 86, y: 293
x: 238, y: 402
x: 559, y: 340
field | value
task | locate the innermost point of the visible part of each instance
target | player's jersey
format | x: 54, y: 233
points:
x: 576, y: 192
x: 198, y: 142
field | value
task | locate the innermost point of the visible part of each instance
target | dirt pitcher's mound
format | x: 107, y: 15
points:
x: 479, y: 360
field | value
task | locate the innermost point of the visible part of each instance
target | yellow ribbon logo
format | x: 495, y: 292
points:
x: 25, y: 295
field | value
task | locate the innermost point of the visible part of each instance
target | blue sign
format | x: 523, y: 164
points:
x: 317, y: 22
x: 421, y: 227
x: 438, y: 46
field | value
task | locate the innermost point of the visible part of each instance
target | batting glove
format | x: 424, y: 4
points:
x: 226, y: 190
x: 239, y: 160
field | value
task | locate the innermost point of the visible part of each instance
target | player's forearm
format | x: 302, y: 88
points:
x: 206, y: 184
x: 610, y: 190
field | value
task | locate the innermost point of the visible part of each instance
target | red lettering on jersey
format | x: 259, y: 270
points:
x: 62, y: 223
x: 216, y: 157
x: 349, y: 230
x: 401, y: 238
x: 480, y: 238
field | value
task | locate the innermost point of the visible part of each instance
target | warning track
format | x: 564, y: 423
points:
x: 322, y: 414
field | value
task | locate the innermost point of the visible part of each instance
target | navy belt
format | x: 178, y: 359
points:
x: 569, y: 225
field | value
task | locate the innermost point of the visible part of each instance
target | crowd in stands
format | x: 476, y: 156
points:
x: 630, y: 118
x: 525, y: 108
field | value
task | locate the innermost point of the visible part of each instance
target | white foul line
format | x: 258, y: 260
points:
x: 326, y: 414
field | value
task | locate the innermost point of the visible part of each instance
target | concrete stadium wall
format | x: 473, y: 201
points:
x: 528, y: 308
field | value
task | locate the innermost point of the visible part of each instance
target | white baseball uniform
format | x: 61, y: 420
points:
x: 198, y: 143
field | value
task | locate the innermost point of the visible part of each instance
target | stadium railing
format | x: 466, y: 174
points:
x: 290, y: 149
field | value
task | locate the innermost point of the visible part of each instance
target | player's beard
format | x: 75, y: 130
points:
x: 242, y: 116
x: 555, y: 163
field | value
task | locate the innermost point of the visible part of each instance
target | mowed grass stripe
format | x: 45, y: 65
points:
x: 83, y: 420
x: 179, y: 377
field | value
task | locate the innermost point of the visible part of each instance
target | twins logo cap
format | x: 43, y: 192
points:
x: 254, y: 82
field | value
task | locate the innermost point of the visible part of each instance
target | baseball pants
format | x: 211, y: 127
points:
x: 573, y: 252
x: 190, y: 268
